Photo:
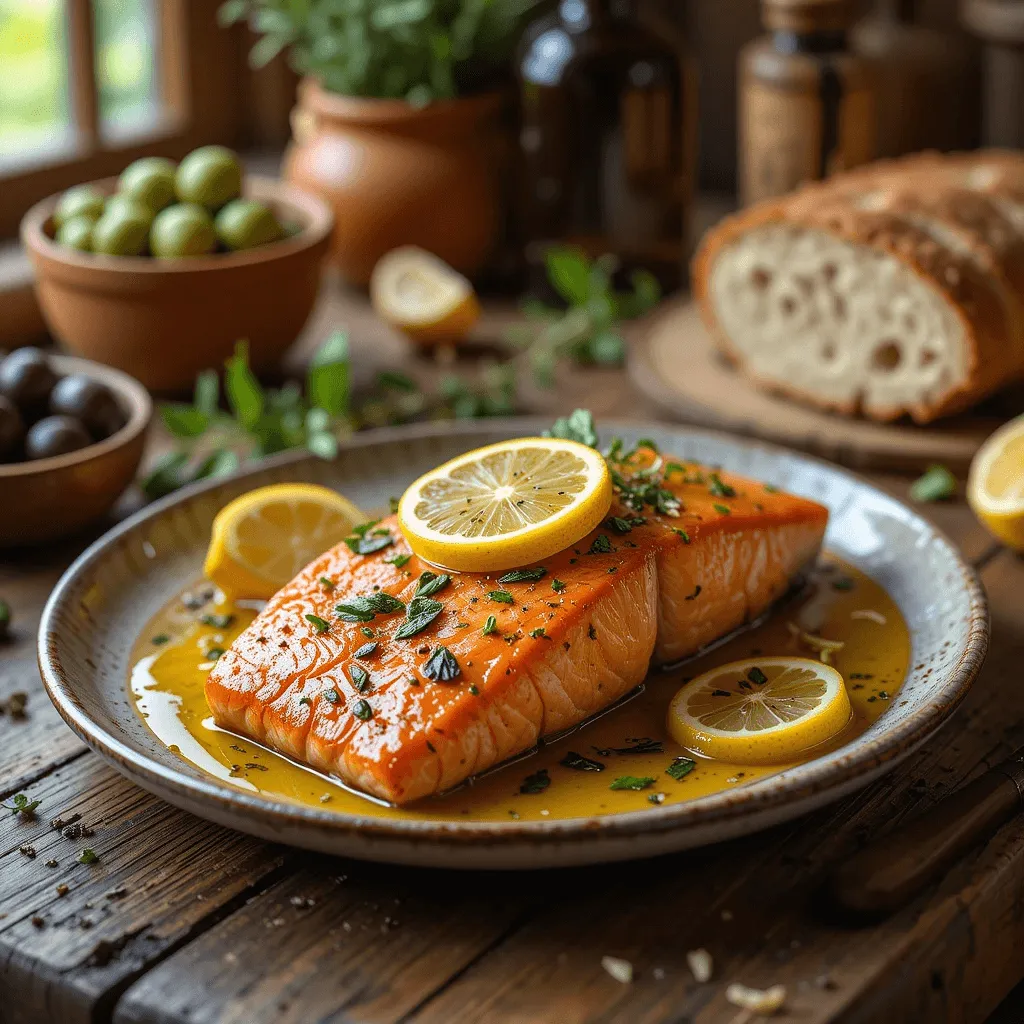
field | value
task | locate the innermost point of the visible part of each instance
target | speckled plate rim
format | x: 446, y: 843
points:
x: 520, y: 844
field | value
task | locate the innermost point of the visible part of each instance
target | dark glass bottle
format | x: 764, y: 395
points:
x: 608, y: 129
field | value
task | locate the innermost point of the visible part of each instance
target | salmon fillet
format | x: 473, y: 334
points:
x: 375, y: 709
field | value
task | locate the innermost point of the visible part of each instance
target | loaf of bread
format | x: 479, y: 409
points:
x: 895, y: 289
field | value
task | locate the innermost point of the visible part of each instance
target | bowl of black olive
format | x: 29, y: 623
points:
x: 71, y: 439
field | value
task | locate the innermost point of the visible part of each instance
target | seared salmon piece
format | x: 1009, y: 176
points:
x: 402, y: 712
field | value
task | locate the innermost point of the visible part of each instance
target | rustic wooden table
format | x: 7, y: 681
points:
x: 182, y: 921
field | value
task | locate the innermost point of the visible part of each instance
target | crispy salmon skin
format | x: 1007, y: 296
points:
x: 403, y: 696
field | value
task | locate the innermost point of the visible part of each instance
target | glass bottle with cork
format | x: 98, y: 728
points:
x: 608, y: 139
x: 806, y: 101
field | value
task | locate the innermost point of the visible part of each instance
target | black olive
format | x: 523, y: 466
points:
x: 55, y: 435
x: 88, y: 401
x: 27, y: 379
x: 12, y: 430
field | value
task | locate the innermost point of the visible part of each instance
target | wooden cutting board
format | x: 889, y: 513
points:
x: 675, y: 364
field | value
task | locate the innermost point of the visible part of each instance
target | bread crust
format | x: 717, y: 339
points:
x: 963, y: 243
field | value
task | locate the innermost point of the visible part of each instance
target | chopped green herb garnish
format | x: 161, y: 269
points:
x: 366, y: 631
x: 632, y: 782
x: 21, y: 804
x: 217, y: 621
x: 720, y: 489
x: 523, y: 575
x: 88, y: 856
x: 656, y: 798
x: 557, y: 586
x: 601, y: 545
x: 755, y: 675
x: 366, y: 650
x: 160, y: 639
x: 441, y: 665
x: 680, y: 766
x: 842, y: 583
x: 305, y: 700
x: 539, y: 634
x: 475, y: 690
x: 431, y: 583
x: 214, y: 653
x: 771, y: 488
x: 332, y: 695
x: 421, y: 613
x: 366, y: 543
x: 360, y: 678
x: 577, y: 426
x: 362, y: 710
x: 327, y: 583
x: 937, y: 484
x: 490, y: 626
x: 363, y: 609
x: 321, y: 625
x: 646, y: 442
x: 398, y: 561
x: 393, y: 504
x: 536, y: 783
x: 724, y: 509
x: 501, y: 596
x: 624, y: 526
x: 644, y: 745
x: 683, y: 534
x: 580, y: 763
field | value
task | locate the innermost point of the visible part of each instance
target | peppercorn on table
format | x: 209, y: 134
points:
x: 117, y: 907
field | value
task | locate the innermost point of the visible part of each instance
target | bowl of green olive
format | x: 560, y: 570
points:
x: 159, y: 272
x: 72, y: 434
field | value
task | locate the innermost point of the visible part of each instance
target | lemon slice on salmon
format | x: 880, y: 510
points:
x: 422, y: 296
x: 264, y: 538
x: 506, y: 505
x: 995, y: 486
x: 760, y: 711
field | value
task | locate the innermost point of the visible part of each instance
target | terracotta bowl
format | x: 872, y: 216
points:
x: 163, y: 321
x: 51, y: 498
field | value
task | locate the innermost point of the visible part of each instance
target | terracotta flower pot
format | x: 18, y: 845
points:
x: 400, y: 175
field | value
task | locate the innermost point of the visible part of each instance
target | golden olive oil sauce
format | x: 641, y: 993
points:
x: 179, y: 647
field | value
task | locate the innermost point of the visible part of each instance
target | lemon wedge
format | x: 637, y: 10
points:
x: 506, y: 505
x: 760, y: 711
x: 422, y: 296
x: 264, y: 538
x: 995, y: 485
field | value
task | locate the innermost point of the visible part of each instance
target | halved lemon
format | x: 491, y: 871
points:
x: 760, y: 711
x: 506, y: 505
x: 422, y: 296
x: 262, y: 539
x: 995, y: 485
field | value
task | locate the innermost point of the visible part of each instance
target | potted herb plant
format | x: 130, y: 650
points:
x: 397, y: 117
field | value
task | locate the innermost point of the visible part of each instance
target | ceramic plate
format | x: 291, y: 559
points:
x: 105, y: 599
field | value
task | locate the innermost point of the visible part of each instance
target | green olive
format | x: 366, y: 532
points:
x: 80, y: 201
x: 150, y: 181
x: 210, y: 176
x: 182, y: 230
x: 123, y: 230
x: 245, y: 223
x: 128, y: 207
x: 77, y: 233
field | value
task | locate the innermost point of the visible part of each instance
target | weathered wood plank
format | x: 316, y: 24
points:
x: 31, y: 745
x: 339, y: 941
x: 755, y: 905
x: 160, y: 874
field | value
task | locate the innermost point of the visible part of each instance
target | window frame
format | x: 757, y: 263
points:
x: 201, y: 73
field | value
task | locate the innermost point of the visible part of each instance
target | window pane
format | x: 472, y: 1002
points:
x: 34, y: 113
x: 126, y: 48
